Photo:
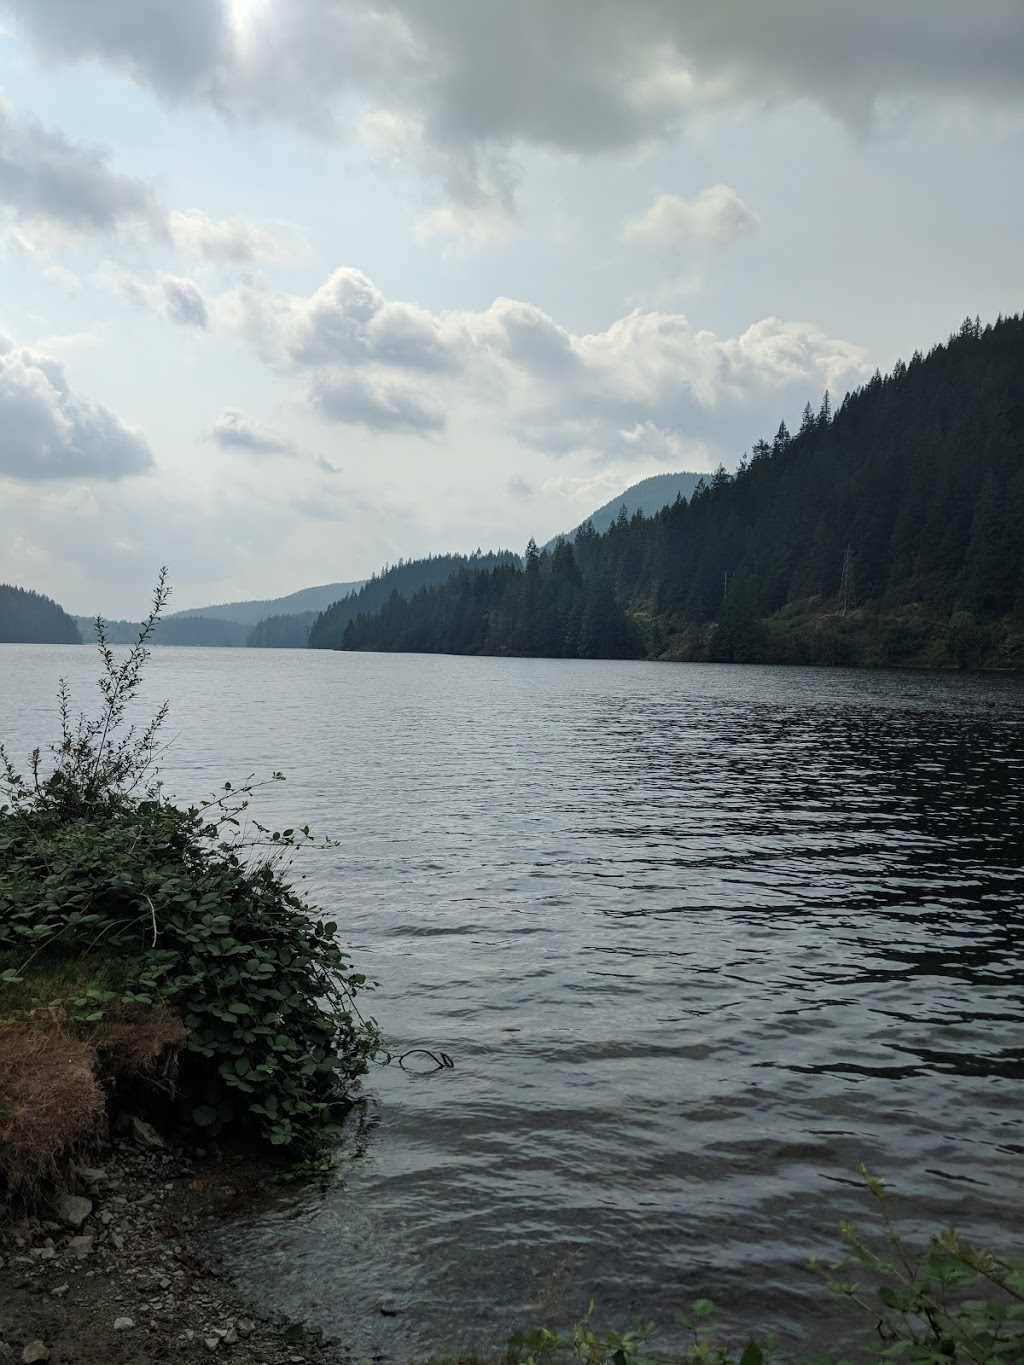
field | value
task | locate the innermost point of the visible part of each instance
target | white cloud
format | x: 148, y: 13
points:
x: 175, y: 297
x: 229, y: 239
x: 378, y: 402
x: 51, y: 184
x: 51, y: 432
x: 233, y: 431
x: 715, y: 215
x: 648, y: 386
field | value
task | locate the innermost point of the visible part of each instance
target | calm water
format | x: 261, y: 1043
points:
x: 700, y: 940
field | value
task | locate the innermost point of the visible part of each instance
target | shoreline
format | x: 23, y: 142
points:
x: 116, y: 1274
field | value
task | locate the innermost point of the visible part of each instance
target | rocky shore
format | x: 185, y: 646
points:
x: 111, y: 1271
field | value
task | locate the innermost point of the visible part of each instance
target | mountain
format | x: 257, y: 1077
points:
x: 648, y: 496
x: 249, y: 613
x: 27, y: 617
x: 886, y: 532
x: 401, y: 580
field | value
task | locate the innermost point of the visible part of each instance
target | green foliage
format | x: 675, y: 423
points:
x: 951, y: 1304
x: 193, y: 907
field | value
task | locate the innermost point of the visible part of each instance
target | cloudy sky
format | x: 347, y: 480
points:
x: 292, y: 288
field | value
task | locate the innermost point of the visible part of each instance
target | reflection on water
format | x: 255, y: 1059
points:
x: 699, y: 939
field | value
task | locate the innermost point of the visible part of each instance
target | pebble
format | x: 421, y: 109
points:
x: 35, y: 1350
x: 123, y: 1324
x: 80, y: 1247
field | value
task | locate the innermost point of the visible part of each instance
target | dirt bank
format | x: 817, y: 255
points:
x: 113, y: 1273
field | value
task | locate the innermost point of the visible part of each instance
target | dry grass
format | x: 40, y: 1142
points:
x: 51, y: 1102
x: 57, y: 1075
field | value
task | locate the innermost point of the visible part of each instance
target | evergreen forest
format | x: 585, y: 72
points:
x: 886, y: 530
x: 27, y: 617
x: 405, y: 578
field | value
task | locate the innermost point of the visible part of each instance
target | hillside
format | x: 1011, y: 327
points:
x: 27, y: 617
x: 886, y: 532
x: 402, y: 580
x: 178, y: 630
x: 250, y: 613
x: 648, y: 496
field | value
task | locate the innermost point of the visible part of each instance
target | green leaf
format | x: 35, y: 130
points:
x: 204, y: 1115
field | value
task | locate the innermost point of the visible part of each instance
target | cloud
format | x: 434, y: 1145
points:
x: 381, y: 404
x: 715, y: 215
x: 50, y: 432
x: 50, y: 182
x: 346, y: 321
x: 648, y: 386
x: 175, y: 297
x: 183, y: 301
x: 229, y: 239
x: 233, y: 431
x: 477, y: 80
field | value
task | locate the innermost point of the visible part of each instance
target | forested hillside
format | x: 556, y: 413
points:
x: 404, y: 579
x: 647, y: 496
x: 282, y: 632
x: 27, y: 617
x: 176, y: 630
x: 887, y: 531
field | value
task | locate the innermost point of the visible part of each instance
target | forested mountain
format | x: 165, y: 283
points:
x: 402, y: 579
x: 282, y: 632
x: 27, y: 617
x: 888, y: 531
x: 647, y: 496
x: 176, y: 630
x: 251, y: 613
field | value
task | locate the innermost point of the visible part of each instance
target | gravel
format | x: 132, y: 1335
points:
x: 113, y: 1272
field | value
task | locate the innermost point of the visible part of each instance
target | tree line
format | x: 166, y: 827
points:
x: 886, y: 530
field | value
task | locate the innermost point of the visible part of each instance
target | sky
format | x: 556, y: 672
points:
x: 290, y: 289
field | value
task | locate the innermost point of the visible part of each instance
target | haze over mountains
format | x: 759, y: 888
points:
x: 285, y: 622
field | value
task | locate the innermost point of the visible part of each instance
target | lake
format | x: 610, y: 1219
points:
x: 699, y: 940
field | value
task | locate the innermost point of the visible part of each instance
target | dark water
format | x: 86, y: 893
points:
x: 700, y: 940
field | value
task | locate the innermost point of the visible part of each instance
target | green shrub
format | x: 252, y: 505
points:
x: 95, y: 861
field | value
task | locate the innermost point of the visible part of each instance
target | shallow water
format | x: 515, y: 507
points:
x: 699, y: 940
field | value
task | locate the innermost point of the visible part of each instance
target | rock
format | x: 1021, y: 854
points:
x: 73, y: 1210
x: 246, y: 1326
x: 59, y: 1291
x: 80, y: 1247
x: 211, y: 1343
x: 230, y: 1337
x: 117, y: 1241
x: 35, y: 1350
x: 123, y: 1324
x: 91, y: 1175
x: 144, y: 1135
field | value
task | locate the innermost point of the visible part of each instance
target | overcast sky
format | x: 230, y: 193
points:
x: 291, y: 288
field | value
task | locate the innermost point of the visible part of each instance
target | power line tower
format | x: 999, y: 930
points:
x: 846, y: 594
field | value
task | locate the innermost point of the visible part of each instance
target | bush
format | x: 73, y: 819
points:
x: 161, y: 908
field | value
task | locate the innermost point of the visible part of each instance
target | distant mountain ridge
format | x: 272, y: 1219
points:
x: 249, y: 613
x: 648, y: 496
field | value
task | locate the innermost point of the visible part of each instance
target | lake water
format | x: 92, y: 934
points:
x: 699, y: 939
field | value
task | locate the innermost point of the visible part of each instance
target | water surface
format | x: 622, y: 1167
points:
x: 700, y: 940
